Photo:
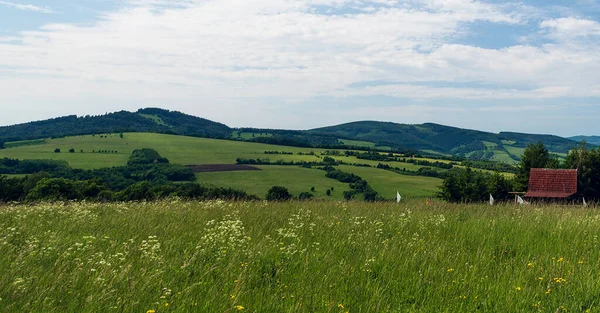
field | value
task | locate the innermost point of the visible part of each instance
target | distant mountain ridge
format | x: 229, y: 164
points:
x: 429, y: 137
x: 595, y: 140
x: 474, y: 144
x: 144, y: 120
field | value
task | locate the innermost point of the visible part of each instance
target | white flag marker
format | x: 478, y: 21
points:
x: 491, y: 199
x: 398, y: 197
x: 584, y: 203
x: 520, y: 200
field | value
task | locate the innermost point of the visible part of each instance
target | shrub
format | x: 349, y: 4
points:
x: 278, y: 193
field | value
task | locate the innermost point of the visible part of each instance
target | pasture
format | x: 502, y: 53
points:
x: 386, y: 183
x: 296, y: 179
x: 197, y: 151
x: 176, y: 256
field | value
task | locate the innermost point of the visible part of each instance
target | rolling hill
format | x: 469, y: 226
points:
x: 144, y: 120
x: 473, y: 144
x: 430, y: 138
x: 595, y: 140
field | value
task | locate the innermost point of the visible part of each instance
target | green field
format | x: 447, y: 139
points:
x: 191, y: 150
x: 178, y: 149
x: 295, y: 178
x: 386, y: 183
x: 298, y: 257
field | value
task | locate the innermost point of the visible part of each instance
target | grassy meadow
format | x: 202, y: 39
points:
x: 191, y: 150
x: 386, y: 183
x: 174, y: 256
x: 295, y: 178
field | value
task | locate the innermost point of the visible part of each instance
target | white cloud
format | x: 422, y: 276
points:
x: 26, y: 7
x: 569, y: 28
x: 220, y: 51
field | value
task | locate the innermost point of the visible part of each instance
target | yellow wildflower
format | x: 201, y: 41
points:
x: 341, y: 306
x: 530, y: 265
x: 232, y: 297
x: 450, y: 270
x: 548, y: 291
x: 540, y: 278
x: 580, y: 262
x: 518, y: 288
x: 150, y: 311
x: 166, y: 304
x: 559, y: 280
x: 560, y: 260
x: 239, y: 307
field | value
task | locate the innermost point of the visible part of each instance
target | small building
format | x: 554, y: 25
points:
x: 552, y: 184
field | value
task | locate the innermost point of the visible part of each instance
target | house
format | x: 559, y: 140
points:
x: 552, y: 184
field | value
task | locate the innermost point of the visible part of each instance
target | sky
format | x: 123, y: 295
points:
x: 528, y: 66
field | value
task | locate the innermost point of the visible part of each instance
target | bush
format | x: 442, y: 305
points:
x: 278, y: 193
x: 305, y: 196
x: 56, y: 150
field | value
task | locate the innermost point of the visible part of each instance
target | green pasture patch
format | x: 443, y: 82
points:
x: 490, y: 145
x: 14, y: 144
x: 386, y: 183
x: 295, y: 178
x: 154, y: 118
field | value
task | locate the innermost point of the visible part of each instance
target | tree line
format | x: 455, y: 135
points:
x: 147, y: 176
x: 466, y: 185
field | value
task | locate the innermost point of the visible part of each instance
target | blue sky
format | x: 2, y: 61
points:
x: 528, y: 66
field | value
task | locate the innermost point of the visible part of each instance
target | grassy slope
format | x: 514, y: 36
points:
x: 178, y: 149
x: 386, y: 183
x: 298, y: 257
x: 295, y: 178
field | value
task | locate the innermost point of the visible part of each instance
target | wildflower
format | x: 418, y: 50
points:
x: 150, y: 311
x: 450, y: 270
x: 518, y: 288
x: 580, y: 262
x: 548, y: 291
x: 341, y: 306
x: 239, y: 307
x: 166, y: 304
x: 559, y: 280
x: 232, y: 297
x: 530, y: 265
x: 560, y: 260
x: 540, y: 278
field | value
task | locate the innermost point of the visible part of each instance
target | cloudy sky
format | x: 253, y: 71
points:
x: 529, y: 65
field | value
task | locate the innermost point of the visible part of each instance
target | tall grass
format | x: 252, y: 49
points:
x: 177, y: 256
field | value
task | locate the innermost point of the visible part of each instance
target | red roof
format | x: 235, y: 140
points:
x: 551, y: 183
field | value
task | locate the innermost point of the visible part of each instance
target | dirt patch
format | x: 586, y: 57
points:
x: 204, y: 168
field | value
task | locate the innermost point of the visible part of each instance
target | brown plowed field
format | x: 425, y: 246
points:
x: 203, y: 168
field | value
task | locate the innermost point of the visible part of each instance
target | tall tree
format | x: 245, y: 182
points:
x: 587, y: 163
x: 535, y: 156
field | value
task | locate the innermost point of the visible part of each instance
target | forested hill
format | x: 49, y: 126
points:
x: 444, y: 139
x: 595, y: 140
x: 144, y: 120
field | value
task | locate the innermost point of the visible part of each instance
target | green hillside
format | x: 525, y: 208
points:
x: 432, y: 139
x: 472, y: 144
x: 595, y: 140
x: 108, y: 150
x: 144, y: 120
